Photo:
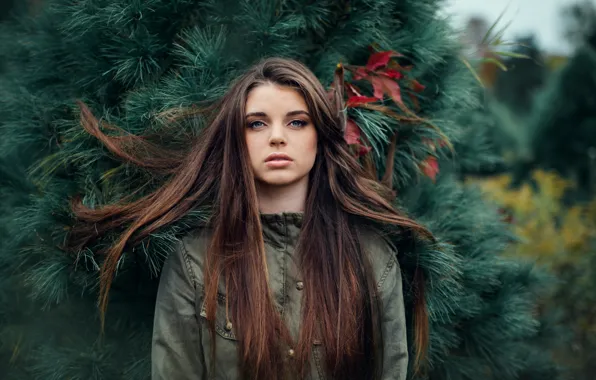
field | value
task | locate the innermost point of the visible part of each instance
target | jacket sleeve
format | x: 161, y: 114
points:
x: 176, y: 351
x: 395, y: 345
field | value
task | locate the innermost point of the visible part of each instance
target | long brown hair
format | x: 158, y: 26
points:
x: 340, y: 304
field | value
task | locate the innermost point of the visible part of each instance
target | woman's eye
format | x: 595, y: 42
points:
x: 293, y: 123
x: 298, y: 123
x: 255, y: 124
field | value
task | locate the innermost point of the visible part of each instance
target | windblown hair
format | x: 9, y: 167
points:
x: 341, y: 305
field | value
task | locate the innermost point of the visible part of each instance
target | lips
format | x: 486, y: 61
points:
x: 278, y: 160
x: 278, y: 157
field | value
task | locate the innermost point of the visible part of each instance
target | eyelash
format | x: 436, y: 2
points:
x: 302, y: 123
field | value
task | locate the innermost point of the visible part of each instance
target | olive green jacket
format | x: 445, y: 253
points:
x: 181, y: 344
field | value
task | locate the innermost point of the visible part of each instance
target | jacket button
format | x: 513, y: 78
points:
x: 291, y: 353
x: 228, y: 326
x: 300, y: 285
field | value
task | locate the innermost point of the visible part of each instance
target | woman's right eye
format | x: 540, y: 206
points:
x: 254, y: 124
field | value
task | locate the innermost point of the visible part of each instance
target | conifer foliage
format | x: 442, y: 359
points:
x: 563, y: 124
x: 133, y: 62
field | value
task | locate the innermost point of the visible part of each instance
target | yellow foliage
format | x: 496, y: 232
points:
x: 561, y: 238
x: 550, y: 232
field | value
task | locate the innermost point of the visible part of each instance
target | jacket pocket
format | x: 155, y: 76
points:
x: 223, y: 327
x: 223, y: 363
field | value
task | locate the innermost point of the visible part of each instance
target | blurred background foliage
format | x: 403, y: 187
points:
x: 540, y: 114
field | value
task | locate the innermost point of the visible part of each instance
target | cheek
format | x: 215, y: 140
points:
x: 253, y: 146
x: 310, y: 145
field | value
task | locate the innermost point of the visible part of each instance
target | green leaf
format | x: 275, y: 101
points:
x: 474, y: 73
x: 511, y: 54
x: 496, y: 62
x: 492, y: 27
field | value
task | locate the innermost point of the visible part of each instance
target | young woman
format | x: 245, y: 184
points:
x: 291, y: 277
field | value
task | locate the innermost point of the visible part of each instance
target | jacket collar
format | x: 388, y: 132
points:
x: 282, y: 229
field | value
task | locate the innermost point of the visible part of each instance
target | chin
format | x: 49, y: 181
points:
x: 279, y: 179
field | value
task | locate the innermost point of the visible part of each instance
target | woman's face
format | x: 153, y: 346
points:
x: 281, y: 137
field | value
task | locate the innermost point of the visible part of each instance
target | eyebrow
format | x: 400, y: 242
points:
x: 291, y: 113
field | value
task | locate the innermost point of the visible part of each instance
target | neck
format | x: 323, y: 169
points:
x: 277, y: 199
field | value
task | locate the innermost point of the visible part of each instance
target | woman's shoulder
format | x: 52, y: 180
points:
x: 197, y: 240
x: 382, y: 253
x: 378, y: 242
x: 192, y: 247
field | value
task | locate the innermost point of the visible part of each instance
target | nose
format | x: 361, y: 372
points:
x: 277, y: 137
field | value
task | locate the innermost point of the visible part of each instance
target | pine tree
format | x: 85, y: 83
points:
x: 134, y: 61
x: 563, y: 125
x: 490, y: 139
x: 579, y: 19
x: 524, y: 77
x: 562, y: 132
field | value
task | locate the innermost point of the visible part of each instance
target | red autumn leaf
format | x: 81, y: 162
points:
x: 352, y: 90
x: 379, y: 89
x: 385, y: 85
x: 392, y: 88
x: 430, y: 167
x: 392, y: 73
x: 352, y: 134
x: 416, y: 86
x: 360, y: 73
x: 355, y: 101
x: 380, y: 59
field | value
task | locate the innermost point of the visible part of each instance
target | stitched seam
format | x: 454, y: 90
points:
x: 315, y: 354
x: 390, y: 264
x: 224, y: 333
x: 186, y: 257
x: 198, y: 285
x: 218, y: 329
x: 386, y: 272
x: 283, y: 272
x: 286, y: 233
x: 201, y: 287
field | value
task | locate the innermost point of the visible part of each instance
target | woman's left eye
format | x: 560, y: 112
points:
x: 254, y: 124
x: 298, y: 123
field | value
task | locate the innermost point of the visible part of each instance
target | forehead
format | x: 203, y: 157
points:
x: 273, y: 98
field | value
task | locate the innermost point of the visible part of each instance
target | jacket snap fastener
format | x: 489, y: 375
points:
x: 300, y: 285
x: 228, y: 326
x: 291, y: 353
